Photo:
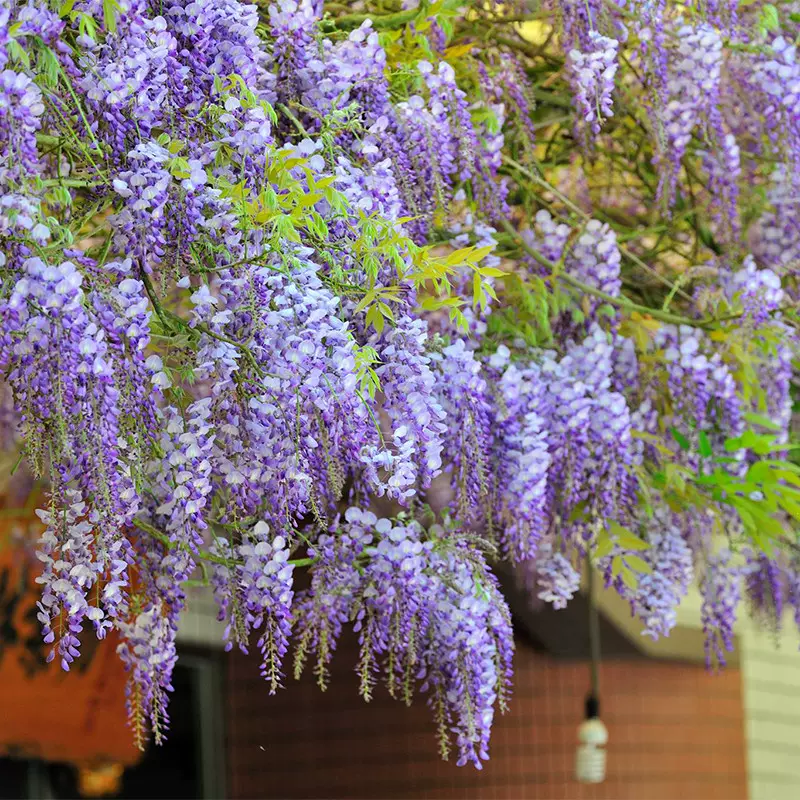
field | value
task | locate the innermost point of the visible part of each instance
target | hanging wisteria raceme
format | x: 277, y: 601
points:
x: 721, y: 589
x: 723, y: 165
x: 522, y: 457
x: 765, y: 589
x: 513, y: 98
x: 692, y: 93
x: 254, y: 592
x: 702, y: 400
x: 555, y: 578
x: 388, y: 297
x: 592, y: 73
x: 777, y: 235
x: 70, y: 571
x: 595, y: 260
x: 466, y: 404
x: 548, y: 238
x: 148, y: 653
x: 776, y: 78
x: 659, y: 592
x: 590, y: 435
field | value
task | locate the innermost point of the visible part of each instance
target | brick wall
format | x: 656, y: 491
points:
x: 675, y: 733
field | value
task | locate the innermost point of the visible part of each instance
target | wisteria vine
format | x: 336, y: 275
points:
x: 387, y: 296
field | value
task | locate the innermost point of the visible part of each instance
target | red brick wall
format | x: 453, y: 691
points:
x: 675, y: 733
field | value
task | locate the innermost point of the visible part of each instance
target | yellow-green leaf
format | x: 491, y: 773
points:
x: 627, y: 539
x: 638, y: 564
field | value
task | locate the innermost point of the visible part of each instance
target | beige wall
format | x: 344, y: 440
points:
x: 770, y: 668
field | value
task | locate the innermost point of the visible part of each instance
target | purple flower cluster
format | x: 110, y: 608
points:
x: 127, y: 79
x: 322, y: 610
x: 777, y: 235
x: 148, y: 653
x: 776, y: 77
x: 592, y: 73
x: 590, y: 432
x: 758, y: 290
x: 703, y: 391
x: 411, y: 405
x: 292, y: 25
x: 659, y: 592
x: 392, y: 616
x: 723, y: 163
x: 70, y: 571
x: 595, y: 258
x: 181, y: 479
x: 254, y: 593
x: 509, y: 88
x: 721, y: 588
x: 21, y: 109
x: 468, y: 664
x: 580, y: 21
x: 425, y: 610
x: 547, y: 237
x: 217, y: 39
x: 522, y: 456
x: 62, y: 373
x: 465, y: 400
x: 556, y: 579
x: 692, y: 91
x: 353, y: 70
x: 141, y: 226
x: 307, y: 424
x: 765, y: 589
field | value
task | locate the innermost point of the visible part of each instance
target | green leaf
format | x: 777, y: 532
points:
x: 791, y: 507
x: 578, y: 316
x: 627, y: 539
x: 785, y: 465
x: 704, y: 445
x: 110, y: 9
x: 638, y: 564
x: 375, y: 318
x: 629, y: 579
x: 755, y: 517
x: 87, y: 26
x: 786, y: 475
x: 50, y: 66
x: 386, y: 311
x: 769, y: 19
x: 604, y: 545
x: 16, y: 52
x: 760, y: 472
x: 478, y: 253
x: 760, y: 419
x: 682, y: 441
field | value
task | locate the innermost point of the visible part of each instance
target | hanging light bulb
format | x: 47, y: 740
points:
x: 590, y: 758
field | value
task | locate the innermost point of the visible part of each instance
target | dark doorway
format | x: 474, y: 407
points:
x: 185, y: 767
